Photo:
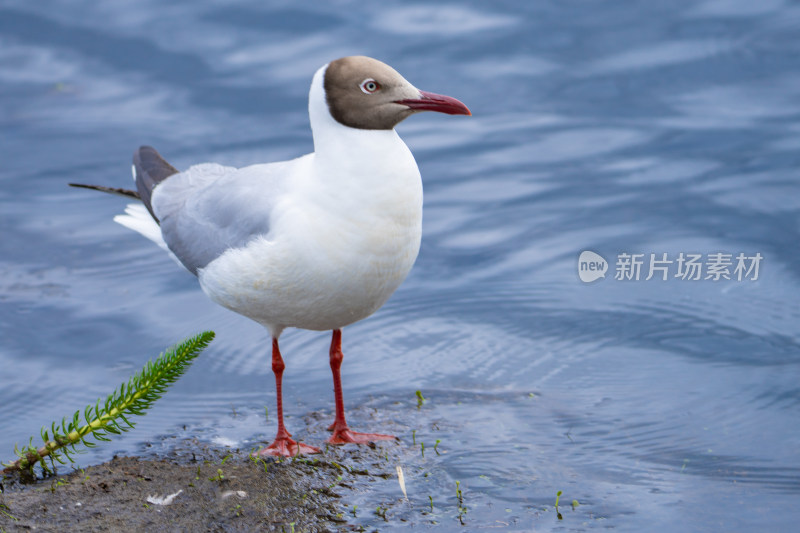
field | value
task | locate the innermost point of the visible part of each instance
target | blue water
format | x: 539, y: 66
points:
x: 616, y: 127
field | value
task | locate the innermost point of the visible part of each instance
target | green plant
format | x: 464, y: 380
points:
x: 57, y: 483
x: 101, y: 420
x: 420, y: 399
x: 462, y: 509
x: 558, y: 514
x: 4, y: 510
x: 256, y: 459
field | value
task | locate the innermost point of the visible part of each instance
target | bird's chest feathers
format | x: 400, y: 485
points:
x: 374, y: 237
x: 368, y: 213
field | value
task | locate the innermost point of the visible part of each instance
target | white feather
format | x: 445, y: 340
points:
x: 138, y: 218
x: 163, y: 500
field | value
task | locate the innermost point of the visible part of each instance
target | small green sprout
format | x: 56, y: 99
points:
x: 4, y: 510
x: 558, y: 495
x: 420, y: 399
x: 380, y: 511
x: 462, y: 509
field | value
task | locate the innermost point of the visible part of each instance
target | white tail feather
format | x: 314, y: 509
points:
x: 138, y: 218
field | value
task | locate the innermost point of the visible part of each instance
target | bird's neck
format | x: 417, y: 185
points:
x: 356, y: 163
x: 365, y: 176
x: 338, y: 145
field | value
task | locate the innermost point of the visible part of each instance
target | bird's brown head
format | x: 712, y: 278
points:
x: 367, y: 94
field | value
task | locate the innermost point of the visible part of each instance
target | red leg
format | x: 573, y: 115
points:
x: 283, y: 445
x: 341, y: 433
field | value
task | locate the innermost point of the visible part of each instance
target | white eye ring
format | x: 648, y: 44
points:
x: 369, y: 86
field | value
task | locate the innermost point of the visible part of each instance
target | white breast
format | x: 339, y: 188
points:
x: 343, y: 237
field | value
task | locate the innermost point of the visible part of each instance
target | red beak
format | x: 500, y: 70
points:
x: 436, y: 102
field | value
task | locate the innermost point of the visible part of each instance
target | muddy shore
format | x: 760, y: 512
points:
x: 215, y: 490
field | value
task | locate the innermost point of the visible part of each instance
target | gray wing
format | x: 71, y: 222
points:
x: 211, y: 208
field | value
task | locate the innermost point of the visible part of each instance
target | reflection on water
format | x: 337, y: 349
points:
x: 638, y: 128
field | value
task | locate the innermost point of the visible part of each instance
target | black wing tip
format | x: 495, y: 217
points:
x: 145, y: 154
x: 147, y: 151
x: 153, y: 162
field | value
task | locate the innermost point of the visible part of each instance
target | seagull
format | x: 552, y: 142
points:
x: 318, y: 242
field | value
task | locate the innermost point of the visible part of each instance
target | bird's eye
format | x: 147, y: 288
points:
x: 370, y: 86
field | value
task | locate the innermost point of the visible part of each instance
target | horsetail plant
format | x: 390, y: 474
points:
x: 110, y: 418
